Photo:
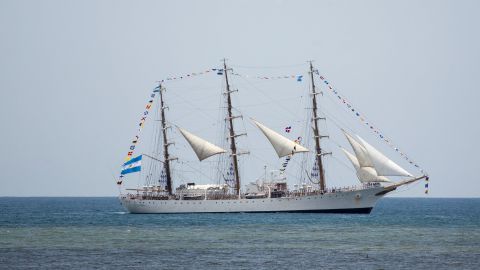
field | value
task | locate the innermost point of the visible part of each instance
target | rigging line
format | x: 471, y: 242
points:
x: 268, y: 67
x: 343, y: 163
x: 385, y: 138
x: 265, y: 103
x: 271, y: 165
x: 337, y: 159
x: 407, y: 188
x: 267, y: 96
x: 154, y: 141
x: 252, y: 124
x: 310, y: 178
x: 339, y: 124
x: 221, y: 161
x: 178, y: 78
x: 199, y: 171
x: 299, y: 163
x: 196, y: 161
x: 193, y: 106
x: 194, y: 131
x: 204, y: 97
x: 337, y: 121
x: 180, y: 177
x: 334, y: 121
x: 336, y: 143
x: 244, y: 126
x: 339, y: 127
x: 156, y: 159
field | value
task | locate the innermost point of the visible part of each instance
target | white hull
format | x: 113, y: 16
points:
x: 357, y: 201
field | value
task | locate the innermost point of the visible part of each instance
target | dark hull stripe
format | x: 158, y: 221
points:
x: 365, y: 210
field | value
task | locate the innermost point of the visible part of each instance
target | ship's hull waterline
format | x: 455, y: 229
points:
x: 354, y: 202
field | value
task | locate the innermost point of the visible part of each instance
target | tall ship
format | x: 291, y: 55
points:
x: 159, y: 191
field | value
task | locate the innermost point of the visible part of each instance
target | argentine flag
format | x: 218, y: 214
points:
x: 133, y: 165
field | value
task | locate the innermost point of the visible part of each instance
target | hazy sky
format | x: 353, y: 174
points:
x: 75, y: 76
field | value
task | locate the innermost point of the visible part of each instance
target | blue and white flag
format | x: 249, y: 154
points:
x: 133, y: 165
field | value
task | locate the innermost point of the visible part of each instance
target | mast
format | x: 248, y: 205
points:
x: 230, y: 117
x: 316, y: 132
x: 166, y: 144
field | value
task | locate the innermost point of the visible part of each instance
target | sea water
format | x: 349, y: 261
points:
x: 78, y: 233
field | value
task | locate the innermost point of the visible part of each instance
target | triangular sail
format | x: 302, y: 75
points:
x: 352, y: 159
x: 364, y: 174
x: 282, y: 145
x: 368, y: 174
x: 383, y: 165
x: 201, y: 147
x: 360, y: 151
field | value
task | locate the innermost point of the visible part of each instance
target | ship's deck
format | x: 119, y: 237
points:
x: 155, y: 195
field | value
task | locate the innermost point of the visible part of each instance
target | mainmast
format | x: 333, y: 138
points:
x: 230, y: 117
x: 316, y: 132
x: 166, y: 144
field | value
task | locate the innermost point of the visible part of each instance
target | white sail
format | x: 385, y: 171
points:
x: 201, y: 147
x: 364, y: 174
x: 369, y: 174
x: 383, y: 165
x: 282, y: 145
x: 360, y: 151
x: 352, y: 159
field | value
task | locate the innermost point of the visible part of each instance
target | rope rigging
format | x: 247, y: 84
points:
x: 226, y: 170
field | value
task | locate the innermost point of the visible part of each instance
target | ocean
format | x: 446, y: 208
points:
x: 97, y: 233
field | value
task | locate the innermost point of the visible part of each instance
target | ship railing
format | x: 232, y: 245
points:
x: 137, y: 196
x: 226, y: 196
x: 302, y: 193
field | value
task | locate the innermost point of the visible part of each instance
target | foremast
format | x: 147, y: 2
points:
x: 316, y: 132
x: 232, y: 135
x: 166, y: 143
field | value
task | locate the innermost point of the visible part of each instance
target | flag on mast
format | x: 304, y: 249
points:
x: 133, y: 165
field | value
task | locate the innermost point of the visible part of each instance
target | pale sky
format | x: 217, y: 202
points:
x: 75, y: 76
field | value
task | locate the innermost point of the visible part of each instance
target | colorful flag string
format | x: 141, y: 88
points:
x: 426, y: 184
x: 370, y: 126
x: 230, y: 179
x: 289, y: 157
x: 315, y: 173
x: 285, y: 163
x: 163, y: 178
x: 141, y: 124
x: 220, y: 71
x: 298, y: 78
x: 192, y: 74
